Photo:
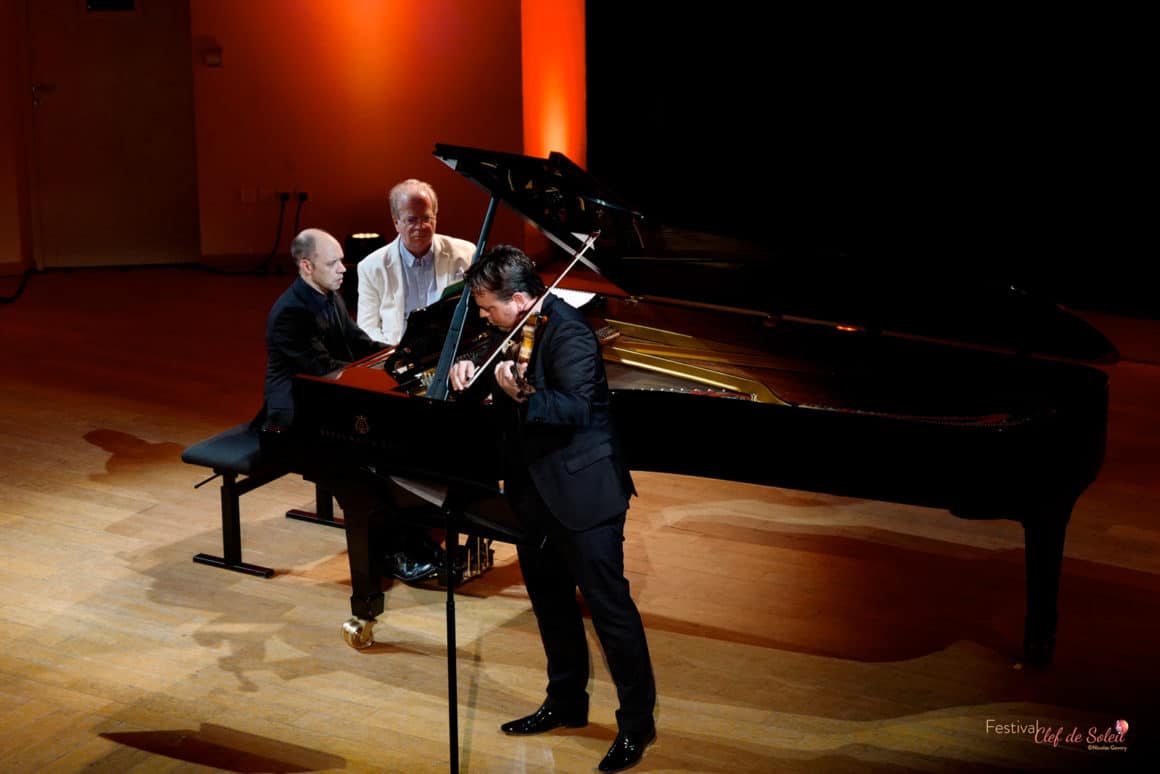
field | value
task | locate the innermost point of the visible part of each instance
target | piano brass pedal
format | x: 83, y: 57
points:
x: 476, y: 557
x: 480, y: 556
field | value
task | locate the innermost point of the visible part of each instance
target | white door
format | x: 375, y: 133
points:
x: 114, y: 173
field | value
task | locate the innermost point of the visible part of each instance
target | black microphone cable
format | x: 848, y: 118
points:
x: 302, y: 196
x: 284, y: 197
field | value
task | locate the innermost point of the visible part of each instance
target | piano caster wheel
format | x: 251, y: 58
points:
x: 1037, y: 651
x: 359, y: 634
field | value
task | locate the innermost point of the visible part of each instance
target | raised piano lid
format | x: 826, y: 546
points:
x: 649, y: 260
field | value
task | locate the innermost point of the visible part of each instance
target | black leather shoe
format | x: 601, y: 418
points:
x: 546, y: 718
x: 627, y: 750
x: 409, y: 570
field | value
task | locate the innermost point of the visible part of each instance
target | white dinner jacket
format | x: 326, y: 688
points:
x: 380, y: 284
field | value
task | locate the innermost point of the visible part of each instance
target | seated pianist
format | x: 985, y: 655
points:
x: 309, y: 331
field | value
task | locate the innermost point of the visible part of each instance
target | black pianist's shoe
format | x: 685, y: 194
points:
x: 627, y: 749
x: 409, y: 570
x: 550, y: 715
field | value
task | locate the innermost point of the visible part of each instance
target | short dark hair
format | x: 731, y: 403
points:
x: 505, y: 271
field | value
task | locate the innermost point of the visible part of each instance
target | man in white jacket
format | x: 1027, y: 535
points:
x: 412, y: 271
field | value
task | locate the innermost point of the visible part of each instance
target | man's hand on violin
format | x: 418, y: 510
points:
x: 509, y: 376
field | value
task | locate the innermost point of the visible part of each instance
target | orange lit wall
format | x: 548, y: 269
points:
x: 554, y: 79
x: 341, y: 100
x: 554, y: 85
x: 15, y: 236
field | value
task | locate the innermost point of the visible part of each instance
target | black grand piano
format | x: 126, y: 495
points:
x: 983, y: 401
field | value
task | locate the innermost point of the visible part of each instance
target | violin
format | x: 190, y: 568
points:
x: 521, y: 354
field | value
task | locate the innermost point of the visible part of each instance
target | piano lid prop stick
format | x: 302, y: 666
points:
x: 578, y: 256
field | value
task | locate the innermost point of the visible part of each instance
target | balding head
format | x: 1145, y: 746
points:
x: 410, y: 189
x: 307, y: 243
x: 318, y: 256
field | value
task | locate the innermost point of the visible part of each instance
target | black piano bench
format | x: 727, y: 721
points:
x: 233, y: 453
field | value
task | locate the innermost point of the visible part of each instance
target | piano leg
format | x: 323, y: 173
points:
x: 1043, y: 534
x: 365, y: 513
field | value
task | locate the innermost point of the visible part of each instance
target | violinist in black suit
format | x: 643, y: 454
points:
x: 309, y: 331
x: 566, y: 477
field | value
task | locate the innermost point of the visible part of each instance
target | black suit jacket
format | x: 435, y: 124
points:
x: 302, y: 337
x: 564, y: 435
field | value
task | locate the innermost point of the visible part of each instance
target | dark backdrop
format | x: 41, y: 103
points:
x: 994, y: 143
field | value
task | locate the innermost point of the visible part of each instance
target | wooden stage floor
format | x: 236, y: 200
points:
x: 790, y: 631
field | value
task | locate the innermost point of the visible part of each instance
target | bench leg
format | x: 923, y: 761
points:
x: 231, y: 558
x: 323, y: 510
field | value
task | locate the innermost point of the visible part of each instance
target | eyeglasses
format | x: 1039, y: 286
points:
x: 415, y: 220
